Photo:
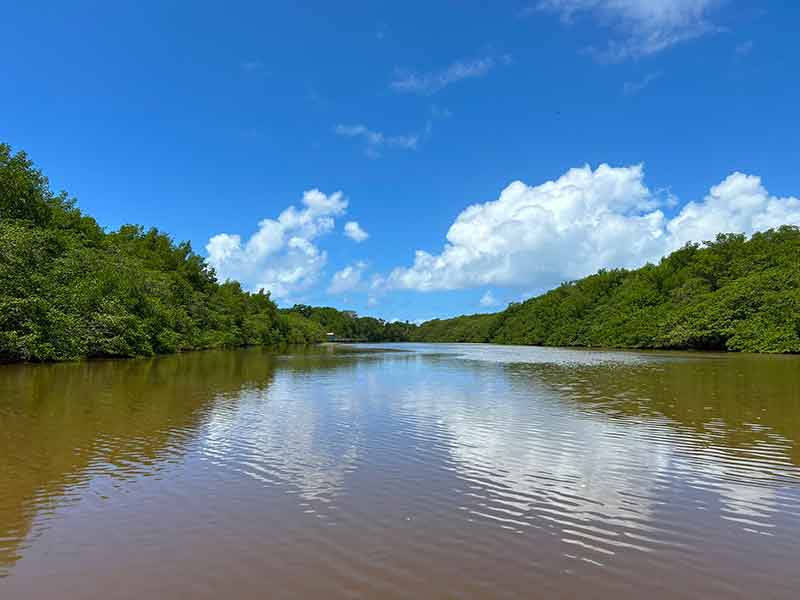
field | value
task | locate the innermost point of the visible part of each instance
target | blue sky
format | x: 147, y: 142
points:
x: 210, y: 120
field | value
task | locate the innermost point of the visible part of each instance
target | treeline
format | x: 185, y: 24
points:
x: 732, y: 293
x: 468, y: 328
x: 70, y: 290
x: 347, y: 324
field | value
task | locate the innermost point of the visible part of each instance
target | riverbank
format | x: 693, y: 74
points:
x: 730, y: 294
x: 70, y: 290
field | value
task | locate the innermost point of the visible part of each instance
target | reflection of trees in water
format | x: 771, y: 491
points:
x: 544, y: 439
x: 530, y: 435
x: 61, y: 424
x: 733, y: 422
x: 738, y: 402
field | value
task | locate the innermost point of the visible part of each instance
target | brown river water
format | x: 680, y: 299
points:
x: 402, y: 471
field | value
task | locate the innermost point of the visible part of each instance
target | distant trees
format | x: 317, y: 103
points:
x: 347, y: 324
x: 468, y: 328
x: 70, y: 290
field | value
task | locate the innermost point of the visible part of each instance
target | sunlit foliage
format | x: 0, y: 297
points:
x: 731, y: 293
x: 69, y: 290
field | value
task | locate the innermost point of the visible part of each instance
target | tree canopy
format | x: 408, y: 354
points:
x: 347, y: 324
x: 68, y: 289
x: 730, y: 293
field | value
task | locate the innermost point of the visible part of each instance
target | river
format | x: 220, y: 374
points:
x: 402, y: 471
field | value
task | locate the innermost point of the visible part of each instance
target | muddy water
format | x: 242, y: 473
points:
x: 424, y: 471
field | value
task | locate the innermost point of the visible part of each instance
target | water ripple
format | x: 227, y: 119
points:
x: 439, y: 471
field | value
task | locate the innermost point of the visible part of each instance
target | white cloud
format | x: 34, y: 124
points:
x: 740, y: 203
x: 641, y: 27
x: 537, y: 236
x: 280, y: 257
x: 632, y: 88
x: 488, y: 299
x: 353, y: 230
x: 376, y: 140
x: 406, y: 81
x: 347, y: 279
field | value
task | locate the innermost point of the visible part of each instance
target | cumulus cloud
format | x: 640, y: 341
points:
x: 353, y: 230
x: 347, y: 279
x: 538, y: 236
x: 376, y: 141
x: 739, y: 204
x: 280, y: 256
x: 640, y: 27
x: 413, y: 82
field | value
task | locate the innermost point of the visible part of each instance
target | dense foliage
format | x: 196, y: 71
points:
x: 467, y: 328
x: 347, y: 324
x: 69, y: 290
x: 732, y: 293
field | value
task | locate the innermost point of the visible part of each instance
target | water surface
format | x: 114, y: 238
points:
x: 399, y: 471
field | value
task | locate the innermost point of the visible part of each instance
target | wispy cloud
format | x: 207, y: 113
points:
x: 631, y: 88
x: 377, y: 141
x: 413, y: 82
x: 638, y: 27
